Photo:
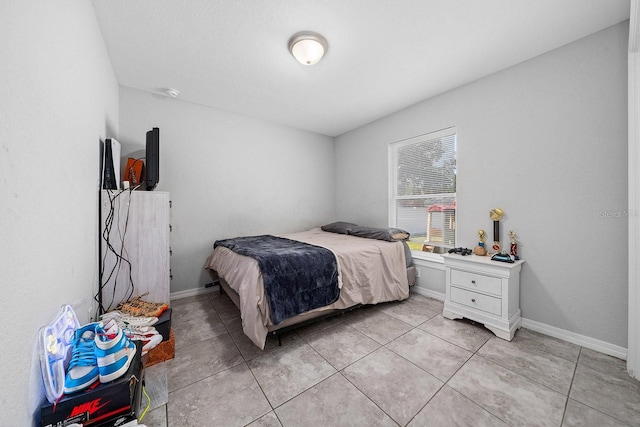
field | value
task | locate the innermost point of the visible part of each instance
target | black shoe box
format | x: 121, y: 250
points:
x: 109, y: 404
x: 163, y: 326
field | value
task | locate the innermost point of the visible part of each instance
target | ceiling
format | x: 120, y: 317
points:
x: 383, y: 55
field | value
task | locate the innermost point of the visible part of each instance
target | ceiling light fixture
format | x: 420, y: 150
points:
x: 308, y: 47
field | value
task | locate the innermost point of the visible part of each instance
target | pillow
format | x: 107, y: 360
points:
x: 388, y: 234
x: 339, y: 227
x: 408, y: 258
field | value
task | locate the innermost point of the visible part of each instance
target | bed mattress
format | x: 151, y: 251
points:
x: 373, y: 271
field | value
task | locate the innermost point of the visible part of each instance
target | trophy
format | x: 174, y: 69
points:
x: 480, y: 249
x: 496, y: 214
x: 514, y: 245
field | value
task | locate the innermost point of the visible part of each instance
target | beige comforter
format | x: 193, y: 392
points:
x: 373, y: 271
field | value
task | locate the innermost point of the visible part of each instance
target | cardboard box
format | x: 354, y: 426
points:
x: 101, y: 404
x: 164, y: 351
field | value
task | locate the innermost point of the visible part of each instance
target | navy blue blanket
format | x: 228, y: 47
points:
x: 297, y: 276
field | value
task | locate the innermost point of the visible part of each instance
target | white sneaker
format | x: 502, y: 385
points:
x: 125, y: 319
x: 138, y: 329
x: 149, y: 339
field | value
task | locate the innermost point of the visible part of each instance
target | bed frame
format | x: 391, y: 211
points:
x: 302, y: 319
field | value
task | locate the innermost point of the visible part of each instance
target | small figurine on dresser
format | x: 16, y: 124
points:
x: 480, y: 249
x: 514, y: 245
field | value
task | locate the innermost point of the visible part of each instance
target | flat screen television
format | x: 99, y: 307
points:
x: 152, y: 159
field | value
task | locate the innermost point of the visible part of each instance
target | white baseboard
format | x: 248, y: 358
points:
x: 429, y: 293
x: 572, y: 337
x: 192, y: 292
x: 552, y: 331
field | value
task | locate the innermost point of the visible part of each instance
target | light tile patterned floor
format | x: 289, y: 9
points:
x: 396, y: 364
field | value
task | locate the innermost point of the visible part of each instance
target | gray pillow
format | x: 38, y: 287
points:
x: 339, y: 227
x: 407, y: 254
x: 388, y: 234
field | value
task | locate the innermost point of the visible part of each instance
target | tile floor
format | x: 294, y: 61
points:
x: 396, y: 364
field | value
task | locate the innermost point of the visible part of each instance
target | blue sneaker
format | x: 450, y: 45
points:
x: 114, y: 351
x: 83, y: 367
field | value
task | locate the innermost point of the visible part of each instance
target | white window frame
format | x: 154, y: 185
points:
x: 392, y: 148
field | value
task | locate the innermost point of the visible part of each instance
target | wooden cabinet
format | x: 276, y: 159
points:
x: 134, y: 242
x: 484, y: 291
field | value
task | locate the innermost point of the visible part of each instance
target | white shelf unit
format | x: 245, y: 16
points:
x: 140, y: 233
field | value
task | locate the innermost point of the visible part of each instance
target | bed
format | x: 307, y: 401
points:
x: 370, y: 270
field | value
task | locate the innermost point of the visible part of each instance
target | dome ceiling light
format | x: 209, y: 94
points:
x: 308, y: 47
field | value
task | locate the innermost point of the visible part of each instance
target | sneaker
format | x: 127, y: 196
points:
x: 138, y: 307
x: 149, y: 339
x: 134, y: 328
x: 83, y: 367
x: 137, y: 329
x: 114, y: 351
x: 129, y: 320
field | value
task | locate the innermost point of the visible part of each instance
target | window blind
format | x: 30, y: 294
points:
x: 423, y: 188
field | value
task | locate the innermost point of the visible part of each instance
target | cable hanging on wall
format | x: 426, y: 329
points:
x: 113, y: 219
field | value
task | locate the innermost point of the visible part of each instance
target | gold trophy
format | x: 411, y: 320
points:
x: 480, y: 249
x: 496, y: 215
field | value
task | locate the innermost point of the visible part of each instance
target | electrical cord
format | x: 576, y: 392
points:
x: 106, y: 232
x: 144, y: 390
x: 130, y: 287
x: 121, y: 257
x: 113, y: 208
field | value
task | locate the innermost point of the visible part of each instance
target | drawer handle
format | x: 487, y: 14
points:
x: 473, y: 281
x: 473, y: 300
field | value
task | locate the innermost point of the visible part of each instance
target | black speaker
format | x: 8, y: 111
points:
x: 109, y: 174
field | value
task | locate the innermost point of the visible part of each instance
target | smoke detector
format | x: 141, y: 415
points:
x: 171, y: 93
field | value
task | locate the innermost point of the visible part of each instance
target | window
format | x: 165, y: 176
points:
x: 422, y: 187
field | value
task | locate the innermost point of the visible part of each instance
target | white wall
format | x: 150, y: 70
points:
x: 59, y: 99
x: 228, y: 175
x: 546, y: 141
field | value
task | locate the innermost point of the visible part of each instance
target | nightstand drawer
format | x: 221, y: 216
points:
x: 476, y: 300
x: 476, y: 282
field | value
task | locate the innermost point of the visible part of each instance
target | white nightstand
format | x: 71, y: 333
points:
x: 485, y: 291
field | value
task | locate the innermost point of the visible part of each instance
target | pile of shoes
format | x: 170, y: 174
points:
x: 137, y: 318
x: 99, y: 351
x: 137, y: 328
x: 104, y: 350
